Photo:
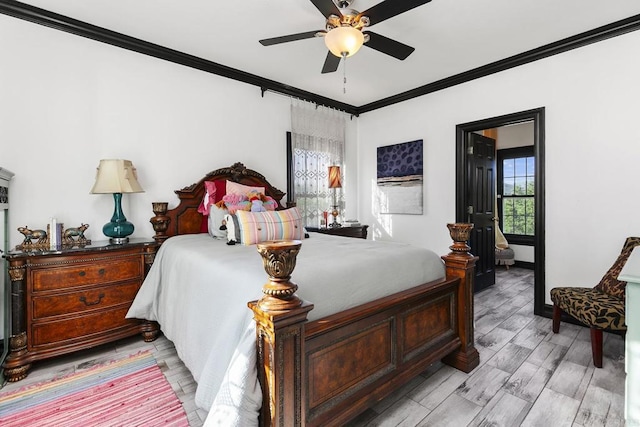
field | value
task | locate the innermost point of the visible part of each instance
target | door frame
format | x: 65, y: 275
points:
x: 462, y: 131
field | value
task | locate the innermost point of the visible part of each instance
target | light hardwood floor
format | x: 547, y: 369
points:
x: 527, y: 376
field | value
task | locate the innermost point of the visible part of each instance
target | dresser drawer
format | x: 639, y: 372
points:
x: 83, y: 301
x: 87, y: 274
x: 56, y: 332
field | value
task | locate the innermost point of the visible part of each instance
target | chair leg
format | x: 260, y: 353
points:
x: 557, y: 312
x: 596, y: 346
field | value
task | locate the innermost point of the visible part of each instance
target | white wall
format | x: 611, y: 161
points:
x: 66, y: 102
x: 592, y: 150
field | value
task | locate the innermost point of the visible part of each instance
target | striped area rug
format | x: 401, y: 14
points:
x: 127, y: 392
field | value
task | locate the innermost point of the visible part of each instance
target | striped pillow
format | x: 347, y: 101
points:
x: 256, y: 227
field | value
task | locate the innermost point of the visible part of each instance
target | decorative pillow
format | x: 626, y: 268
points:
x: 236, y: 202
x: 209, y: 197
x: 216, y: 220
x: 213, y: 193
x: 243, y: 190
x: 269, y: 203
x: 256, y: 227
x: 233, y: 229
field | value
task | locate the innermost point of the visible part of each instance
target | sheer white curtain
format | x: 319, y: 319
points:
x: 317, y: 142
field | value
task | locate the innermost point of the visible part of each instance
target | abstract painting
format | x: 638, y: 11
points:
x: 399, y: 178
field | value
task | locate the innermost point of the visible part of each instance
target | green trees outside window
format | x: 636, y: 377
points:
x: 517, y: 174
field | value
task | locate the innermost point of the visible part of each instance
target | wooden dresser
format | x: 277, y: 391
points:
x: 359, y: 231
x: 72, y: 299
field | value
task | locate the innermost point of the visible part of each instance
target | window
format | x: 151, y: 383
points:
x: 308, y: 182
x: 516, y: 185
x: 316, y: 141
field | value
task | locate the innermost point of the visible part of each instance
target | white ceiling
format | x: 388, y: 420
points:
x: 450, y: 36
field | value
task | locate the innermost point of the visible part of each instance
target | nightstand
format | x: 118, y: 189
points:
x: 359, y: 231
x: 74, y: 298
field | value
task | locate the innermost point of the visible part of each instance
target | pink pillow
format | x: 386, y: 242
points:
x: 209, y: 197
x: 243, y: 190
x: 213, y: 192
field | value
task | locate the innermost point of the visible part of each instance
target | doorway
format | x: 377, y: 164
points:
x: 463, y: 135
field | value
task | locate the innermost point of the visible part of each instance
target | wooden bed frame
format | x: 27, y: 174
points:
x: 326, y: 372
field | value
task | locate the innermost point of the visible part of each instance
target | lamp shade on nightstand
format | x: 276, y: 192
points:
x: 334, y: 177
x: 335, y: 183
x: 116, y: 176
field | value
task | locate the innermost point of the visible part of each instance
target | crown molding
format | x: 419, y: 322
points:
x: 583, y: 39
x: 80, y: 28
x: 63, y: 23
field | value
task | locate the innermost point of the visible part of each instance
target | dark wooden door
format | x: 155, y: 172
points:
x: 481, y: 196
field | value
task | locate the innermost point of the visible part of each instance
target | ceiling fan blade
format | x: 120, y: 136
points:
x: 331, y: 63
x: 327, y: 7
x: 289, y: 38
x: 390, y: 8
x: 390, y: 47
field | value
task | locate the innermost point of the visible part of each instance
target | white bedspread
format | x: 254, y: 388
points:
x: 198, y: 289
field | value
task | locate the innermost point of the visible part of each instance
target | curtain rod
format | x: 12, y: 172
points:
x: 317, y: 104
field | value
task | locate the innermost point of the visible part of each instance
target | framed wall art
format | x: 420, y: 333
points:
x: 400, y: 178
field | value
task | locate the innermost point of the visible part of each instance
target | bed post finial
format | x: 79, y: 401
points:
x: 461, y: 263
x: 160, y: 221
x: 459, y: 233
x: 279, y: 260
x: 280, y: 319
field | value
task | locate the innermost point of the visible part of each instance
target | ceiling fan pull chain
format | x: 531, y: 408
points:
x: 344, y: 72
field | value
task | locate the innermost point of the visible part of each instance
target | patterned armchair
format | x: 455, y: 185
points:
x: 600, y: 308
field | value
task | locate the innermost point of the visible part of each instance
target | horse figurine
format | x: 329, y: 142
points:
x: 40, y: 236
x: 70, y: 233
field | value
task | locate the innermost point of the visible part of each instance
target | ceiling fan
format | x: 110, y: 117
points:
x: 344, y: 26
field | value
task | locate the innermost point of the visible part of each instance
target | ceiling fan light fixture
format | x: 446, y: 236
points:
x: 344, y: 41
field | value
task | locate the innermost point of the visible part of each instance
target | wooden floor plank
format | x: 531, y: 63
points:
x: 454, y: 411
x: 510, y: 357
x: 503, y: 410
x: 569, y: 379
x: 435, y: 390
x: 552, y: 409
x: 600, y: 407
x: 528, y: 381
x: 403, y: 413
x: 483, y: 384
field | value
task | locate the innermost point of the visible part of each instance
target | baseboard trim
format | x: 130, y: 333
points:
x: 525, y: 264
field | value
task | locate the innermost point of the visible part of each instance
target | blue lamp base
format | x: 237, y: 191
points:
x: 118, y: 229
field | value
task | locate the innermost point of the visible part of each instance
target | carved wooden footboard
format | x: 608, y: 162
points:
x: 327, y: 371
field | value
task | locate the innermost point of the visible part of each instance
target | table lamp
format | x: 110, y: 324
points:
x: 116, y: 176
x: 334, y: 182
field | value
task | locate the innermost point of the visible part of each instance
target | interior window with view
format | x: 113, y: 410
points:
x: 518, y: 209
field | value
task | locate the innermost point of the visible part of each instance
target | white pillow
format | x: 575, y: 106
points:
x: 215, y: 221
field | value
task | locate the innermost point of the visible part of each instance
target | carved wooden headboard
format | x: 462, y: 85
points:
x: 185, y: 218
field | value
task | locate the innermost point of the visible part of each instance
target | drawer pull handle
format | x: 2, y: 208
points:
x: 82, y: 273
x: 101, y: 271
x: 84, y: 300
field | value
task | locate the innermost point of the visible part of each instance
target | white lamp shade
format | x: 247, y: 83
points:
x: 347, y: 40
x: 116, y: 176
